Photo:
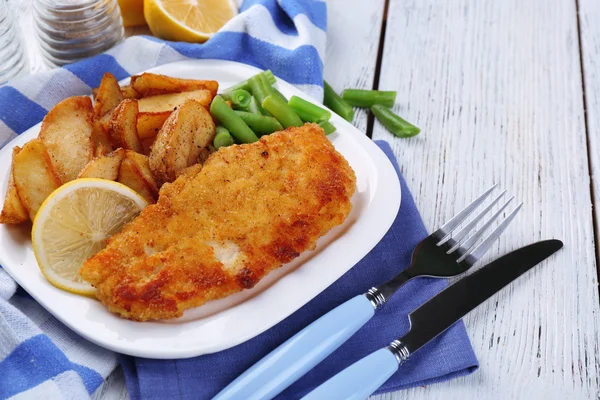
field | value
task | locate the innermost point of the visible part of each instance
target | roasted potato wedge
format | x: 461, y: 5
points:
x: 130, y: 175
x: 148, y: 84
x: 123, y: 126
x: 149, y: 123
x: 168, y: 102
x: 108, y: 96
x: 34, y: 175
x: 13, y: 211
x: 126, y: 91
x: 143, y: 165
x: 104, y: 167
x: 147, y: 145
x: 67, y: 135
x: 129, y: 93
x: 186, y: 134
x: 100, y: 139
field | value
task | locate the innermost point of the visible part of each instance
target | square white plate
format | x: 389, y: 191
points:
x: 224, y: 323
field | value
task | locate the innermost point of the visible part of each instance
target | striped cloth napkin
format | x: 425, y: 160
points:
x: 39, y: 357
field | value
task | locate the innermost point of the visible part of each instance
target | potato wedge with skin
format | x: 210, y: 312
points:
x: 186, y: 134
x: 101, y: 140
x: 123, y: 126
x: 104, y: 167
x: 67, y: 135
x: 143, y: 165
x: 126, y: 91
x: 131, y: 176
x: 147, y: 145
x: 108, y: 97
x: 149, y: 123
x: 129, y: 93
x: 34, y: 175
x: 148, y: 84
x: 168, y: 102
x: 13, y: 211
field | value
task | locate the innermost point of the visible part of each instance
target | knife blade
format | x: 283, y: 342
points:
x: 431, y: 319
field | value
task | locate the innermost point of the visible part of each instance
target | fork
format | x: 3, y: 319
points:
x: 445, y: 253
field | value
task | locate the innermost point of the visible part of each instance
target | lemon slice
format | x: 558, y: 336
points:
x: 187, y: 20
x: 74, y: 223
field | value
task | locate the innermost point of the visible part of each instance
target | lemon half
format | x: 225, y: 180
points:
x: 73, y: 225
x: 187, y: 20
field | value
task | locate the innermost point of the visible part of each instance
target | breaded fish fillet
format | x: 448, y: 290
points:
x: 221, y: 228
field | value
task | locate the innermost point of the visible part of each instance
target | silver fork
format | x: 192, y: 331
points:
x: 445, y: 253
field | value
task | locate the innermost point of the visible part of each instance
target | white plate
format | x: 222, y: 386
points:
x: 224, y: 323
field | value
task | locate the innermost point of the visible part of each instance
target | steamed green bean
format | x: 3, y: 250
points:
x: 367, y: 98
x: 240, y: 98
x: 308, y: 111
x: 260, y: 124
x: 222, y: 138
x: 398, y: 126
x: 280, y: 110
x: 327, y: 127
x: 333, y: 101
x: 244, y: 84
x: 230, y: 120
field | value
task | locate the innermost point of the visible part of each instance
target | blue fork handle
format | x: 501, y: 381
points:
x: 299, y: 354
x: 358, y: 381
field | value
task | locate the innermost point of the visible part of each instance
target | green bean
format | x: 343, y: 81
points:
x: 367, y: 98
x: 327, y: 127
x: 308, y: 111
x: 336, y: 103
x: 281, y: 111
x: 252, y: 106
x: 222, y: 138
x: 230, y: 120
x: 260, y: 124
x: 260, y: 88
x: 279, y: 94
x: 393, y: 122
x: 244, y: 84
x: 240, y: 99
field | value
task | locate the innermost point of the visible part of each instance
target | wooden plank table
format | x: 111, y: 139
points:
x: 504, y: 91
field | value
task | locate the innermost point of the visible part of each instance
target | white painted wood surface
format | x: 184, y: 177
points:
x: 496, y: 87
x: 589, y: 15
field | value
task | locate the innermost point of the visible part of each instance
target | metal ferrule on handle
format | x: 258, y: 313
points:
x: 299, y: 354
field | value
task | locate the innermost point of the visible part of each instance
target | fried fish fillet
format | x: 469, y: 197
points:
x: 222, y: 227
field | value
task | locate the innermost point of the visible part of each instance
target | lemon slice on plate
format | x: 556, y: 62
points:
x: 74, y: 223
x: 187, y: 20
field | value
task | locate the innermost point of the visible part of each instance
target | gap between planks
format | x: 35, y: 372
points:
x: 370, y: 117
x: 593, y: 197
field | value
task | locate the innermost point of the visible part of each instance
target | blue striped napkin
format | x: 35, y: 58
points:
x: 39, y: 357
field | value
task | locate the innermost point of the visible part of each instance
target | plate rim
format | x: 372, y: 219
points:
x: 385, y: 172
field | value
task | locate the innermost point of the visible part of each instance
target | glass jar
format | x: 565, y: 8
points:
x: 70, y: 30
x: 12, y: 58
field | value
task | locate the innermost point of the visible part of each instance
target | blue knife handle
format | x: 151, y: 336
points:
x: 299, y: 354
x: 358, y: 381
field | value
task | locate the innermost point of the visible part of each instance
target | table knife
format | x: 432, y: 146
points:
x: 430, y: 320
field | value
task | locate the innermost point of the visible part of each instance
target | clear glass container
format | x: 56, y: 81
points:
x: 12, y: 57
x: 70, y: 30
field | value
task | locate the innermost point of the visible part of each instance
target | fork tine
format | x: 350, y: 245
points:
x: 491, y: 238
x: 464, y: 231
x: 458, y: 219
x: 468, y: 244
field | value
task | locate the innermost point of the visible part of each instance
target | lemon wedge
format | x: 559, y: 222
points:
x: 187, y: 20
x: 74, y: 223
x: 132, y: 12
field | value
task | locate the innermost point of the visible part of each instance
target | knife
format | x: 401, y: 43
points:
x: 438, y: 314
